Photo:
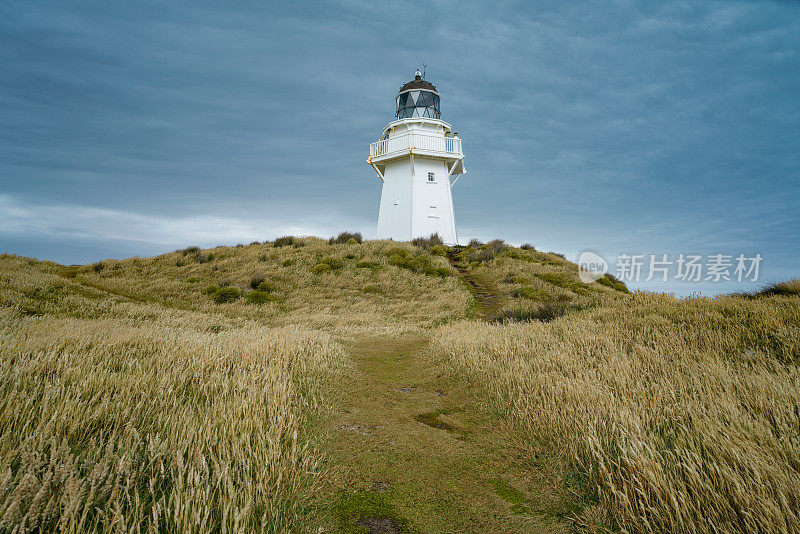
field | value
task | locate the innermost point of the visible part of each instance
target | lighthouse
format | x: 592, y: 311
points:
x: 418, y: 160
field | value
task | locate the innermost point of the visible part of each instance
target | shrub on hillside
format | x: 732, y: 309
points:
x: 199, y: 257
x: 288, y: 240
x: 210, y: 289
x: 350, y: 238
x: 483, y: 253
x: 189, y: 250
x: 560, y: 255
x: 439, y: 250
x: 321, y: 268
x: 260, y: 283
x: 427, y: 242
x: 609, y: 280
x: 225, y: 294
x: 474, y: 243
x: 97, y: 267
x: 527, y: 246
x: 789, y: 288
x: 364, y: 264
x: 326, y: 265
x: 259, y: 297
x: 532, y: 293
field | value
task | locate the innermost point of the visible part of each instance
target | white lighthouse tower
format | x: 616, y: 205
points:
x: 418, y: 159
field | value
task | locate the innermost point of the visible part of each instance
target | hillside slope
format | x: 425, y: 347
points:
x: 381, y: 386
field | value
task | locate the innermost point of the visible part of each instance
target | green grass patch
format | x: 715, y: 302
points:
x: 510, y: 494
x: 354, y: 509
x: 224, y: 295
x: 419, y: 263
x: 532, y: 293
x: 259, y: 297
x: 563, y: 280
x: 327, y: 265
x: 507, y: 492
x: 613, y: 282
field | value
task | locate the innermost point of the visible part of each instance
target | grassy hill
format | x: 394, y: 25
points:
x: 316, y: 385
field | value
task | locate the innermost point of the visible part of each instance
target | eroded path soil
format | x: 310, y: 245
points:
x: 411, y: 449
x: 488, y: 300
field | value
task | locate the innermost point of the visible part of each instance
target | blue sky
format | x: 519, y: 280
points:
x: 617, y: 127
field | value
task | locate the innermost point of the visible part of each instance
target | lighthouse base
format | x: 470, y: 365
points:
x: 416, y: 201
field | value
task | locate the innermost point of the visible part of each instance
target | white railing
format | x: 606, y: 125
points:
x: 434, y: 143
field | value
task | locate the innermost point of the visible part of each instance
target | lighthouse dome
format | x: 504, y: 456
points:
x: 418, y: 98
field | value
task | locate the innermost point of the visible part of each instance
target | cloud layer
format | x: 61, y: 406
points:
x: 620, y: 127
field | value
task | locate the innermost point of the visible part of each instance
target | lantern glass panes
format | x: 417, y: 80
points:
x: 418, y: 104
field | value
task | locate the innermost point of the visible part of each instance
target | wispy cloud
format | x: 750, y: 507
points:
x: 73, y: 222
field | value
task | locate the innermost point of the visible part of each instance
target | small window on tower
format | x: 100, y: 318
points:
x: 431, y: 176
x: 432, y: 213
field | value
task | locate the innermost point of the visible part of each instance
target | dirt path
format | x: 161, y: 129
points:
x: 412, y: 450
x: 489, y: 301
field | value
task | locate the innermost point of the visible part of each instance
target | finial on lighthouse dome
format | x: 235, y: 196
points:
x: 418, y: 75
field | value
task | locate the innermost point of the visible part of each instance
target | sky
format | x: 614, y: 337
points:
x: 620, y: 128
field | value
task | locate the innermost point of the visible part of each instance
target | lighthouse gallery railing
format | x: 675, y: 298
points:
x: 403, y: 142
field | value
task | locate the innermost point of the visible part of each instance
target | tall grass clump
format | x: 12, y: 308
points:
x: 287, y: 241
x: 427, y: 243
x: 678, y: 415
x: 119, y: 424
x: 419, y: 263
x: 789, y: 288
x: 482, y: 253
x: 349, y: 238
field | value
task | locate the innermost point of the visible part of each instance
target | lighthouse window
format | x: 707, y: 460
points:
x: 431, y: 177
x: 432, y: 212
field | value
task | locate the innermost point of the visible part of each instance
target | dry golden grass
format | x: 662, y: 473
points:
x: 684, y: 415
x: 121, y: 416
x: 130, y: 400
x: 383, y: 299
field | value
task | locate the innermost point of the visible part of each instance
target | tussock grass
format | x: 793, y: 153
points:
x: 789, y: 288
x: 121, y: 415
x: 131, y: 400
x: 433, y: 240
x: 349, y: 238
x: 685, y: 415
x: 329, y: 299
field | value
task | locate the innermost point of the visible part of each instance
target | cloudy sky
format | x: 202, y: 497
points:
x: 617, y: 127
